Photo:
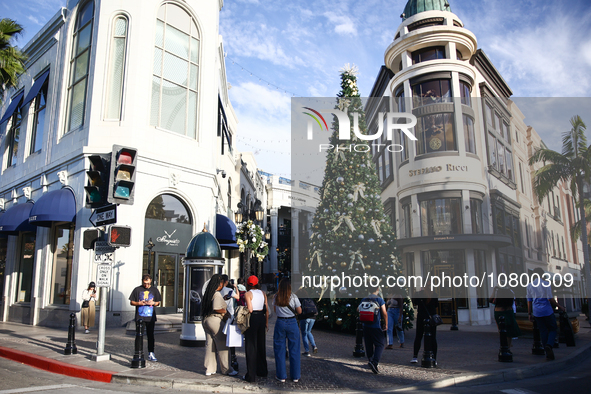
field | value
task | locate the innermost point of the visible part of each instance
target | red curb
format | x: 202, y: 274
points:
x: 55, y: 366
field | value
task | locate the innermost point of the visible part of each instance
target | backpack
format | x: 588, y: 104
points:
x: 242, y: 318
x: 309, y: 309
x: 368, y: 311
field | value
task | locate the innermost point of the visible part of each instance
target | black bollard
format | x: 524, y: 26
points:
x: 538, y: 348
x: 505, y: 354
x: 454, y: 322
x: 71, y: 345
x: 428, y: 361
x: 359, y: 351
x: 138, y: 360
x: 566, y: 330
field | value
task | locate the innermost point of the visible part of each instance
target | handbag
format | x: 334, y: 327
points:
x: 86, y: 304
x: 234, y: 336
x: 242, y: 318
x: 434, y: 318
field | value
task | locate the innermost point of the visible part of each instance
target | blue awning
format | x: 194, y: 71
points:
x: 16, y: 219
x: 228, y: 246
x: 36, y: 88
x: 12, y: 107
x: 225, y: 230
x: 54, y: 206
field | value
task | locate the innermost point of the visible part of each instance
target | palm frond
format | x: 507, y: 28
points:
x: 576, y: 229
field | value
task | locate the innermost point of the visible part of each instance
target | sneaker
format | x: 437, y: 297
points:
x: 87, y: 331
x: 152, y: 357
x: 402, y: 345
x: 389, y: 347
x: 233, y: 373
x: 307, y: 354
x: 315, y: 350
x: 296, y: 380
x: 374, y: 367
x: 209, y: 373
x: 549, y: 352
x: 414, y: 360
x: 280, y: 380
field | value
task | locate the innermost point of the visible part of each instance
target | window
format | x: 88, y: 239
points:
x: 521, y: 177
x: 506, y: 132
x: 465, y: 93
x: 406, y: 221
x: 24, y: 272
x: 176, y: 72
x: 509, y: 163
x: 117, y: 68
x: 489, y: 115
x: 79, y: 64
x: 401, y: 106
x: 14, y: 135
x: 492, y: 151
x: 480, y: 271
x: 435, y: 133
x: 441, y: 216
x: 39, y: 119
x: 501, y: 158
x: 459, y: 55
x: 469, y: 134
x: 427, y: 54
x: 63, y: 255
x: 476, y: 213
x: 168, y: 208
x: 431, y: 92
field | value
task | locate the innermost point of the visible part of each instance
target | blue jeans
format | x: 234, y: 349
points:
x: 548, y: 327
x: 393, y: 314
x: 287, y: 329
x: 306, y: 329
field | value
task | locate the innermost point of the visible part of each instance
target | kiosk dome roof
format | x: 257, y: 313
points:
x: 414, y: 7
x: 204, y: 246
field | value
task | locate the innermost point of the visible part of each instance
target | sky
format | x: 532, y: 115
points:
x: 276, y: 50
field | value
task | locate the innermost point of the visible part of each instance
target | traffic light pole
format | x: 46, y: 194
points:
x: 100, y: 351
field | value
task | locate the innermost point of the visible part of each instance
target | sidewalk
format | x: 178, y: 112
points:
x: 467, y: 355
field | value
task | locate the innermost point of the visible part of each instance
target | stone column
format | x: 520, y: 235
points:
x: 295, y: 244
x: 274, y: 236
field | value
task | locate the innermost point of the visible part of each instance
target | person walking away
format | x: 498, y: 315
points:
x: 307, y: 319
x: 395, y: 314
x: 87, y: 312
x: 540, y: 306
x: 214, y: 315
x: 287, y: 306
x: 373, y: 332
x: 503, y: 298
x: 427, y: 303
x: 254, y: 337
x: 145, y: 298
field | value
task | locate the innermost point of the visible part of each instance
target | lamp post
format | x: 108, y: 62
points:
x: 256, y: 214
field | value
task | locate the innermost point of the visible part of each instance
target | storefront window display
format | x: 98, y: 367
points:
x: 63, y: 251
x: 25, y: 267
x: 441, y: 216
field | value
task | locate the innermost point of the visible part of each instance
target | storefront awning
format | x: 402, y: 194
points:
x: 12, y: 107
x: 16, y: 219
x: 225, y: 230
x: 54, y: 206
x: 229, y: 246
x: 36, y: 88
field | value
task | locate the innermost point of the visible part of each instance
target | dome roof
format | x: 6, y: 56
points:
x: 204, y: 246
x: 413, y: 7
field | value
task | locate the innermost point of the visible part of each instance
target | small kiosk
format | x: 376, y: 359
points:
x: 202, y: 261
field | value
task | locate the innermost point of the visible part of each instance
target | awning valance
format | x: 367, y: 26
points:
x: 229, y: 246
x: 36, y: 88
x: 54, y: 206
x: 225, y: 230
x: 12, y: 107
x: 16, y: 219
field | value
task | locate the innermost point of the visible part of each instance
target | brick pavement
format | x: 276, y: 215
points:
x: 471, y: 349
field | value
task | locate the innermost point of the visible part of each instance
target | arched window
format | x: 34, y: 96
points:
x: 116, y: 69
x: 176, y: 71
x: 79, y: 64
x: 168, y: 208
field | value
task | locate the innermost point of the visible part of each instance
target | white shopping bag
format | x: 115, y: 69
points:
x: 234, y: 336
x: 227, y: 325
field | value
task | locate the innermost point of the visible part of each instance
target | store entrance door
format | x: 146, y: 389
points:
x: 446, y: 293
x: 167, y: 268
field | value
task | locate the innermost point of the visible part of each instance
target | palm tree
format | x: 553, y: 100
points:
x: 11, y: 58
x: 575, y: 231
x: 572, y: 167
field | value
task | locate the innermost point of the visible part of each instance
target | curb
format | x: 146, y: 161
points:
x: 505, y: 375
x: 55, y: 366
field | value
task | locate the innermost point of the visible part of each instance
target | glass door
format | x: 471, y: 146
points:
x: 165, y: 273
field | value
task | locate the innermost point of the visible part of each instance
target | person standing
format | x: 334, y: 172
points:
x: 395, y: 314
x: 214, y: 315
x: 231, y: 296
x: 427, y: 303
x: 307, y: 319
x: 145, y: 298
x: 254, y: 337
x: 287, y: 306
x: 504, y: 298
x: 373, y: 332
x: 88, y: 307
x: 540, y: 306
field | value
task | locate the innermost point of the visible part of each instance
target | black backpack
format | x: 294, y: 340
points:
x: 309, y: 309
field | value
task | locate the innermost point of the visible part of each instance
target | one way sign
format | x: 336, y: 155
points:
x: 104, y: 215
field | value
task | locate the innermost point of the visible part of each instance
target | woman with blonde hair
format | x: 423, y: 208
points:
x: 287, y: 306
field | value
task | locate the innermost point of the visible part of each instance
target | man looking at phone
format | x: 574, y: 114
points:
x: 145, y: 298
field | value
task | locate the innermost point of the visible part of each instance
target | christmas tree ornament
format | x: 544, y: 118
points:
x: 339, y: 321
x: 343, y: 290
x: 371, y: 241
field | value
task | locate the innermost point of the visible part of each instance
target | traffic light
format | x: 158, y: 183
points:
x: 119, y: 236
x: 98, y: 180
x: 90, y: 237
x: 123, y: 162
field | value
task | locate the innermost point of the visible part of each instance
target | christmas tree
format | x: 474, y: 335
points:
x: 352, y: 237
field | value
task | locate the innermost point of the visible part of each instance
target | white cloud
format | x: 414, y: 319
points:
x: 34, y: 20
x: 342, y: 24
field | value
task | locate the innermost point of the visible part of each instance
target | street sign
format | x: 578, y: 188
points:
x: 104, y: 215
x: 103, y: 252
x: 103, y: 275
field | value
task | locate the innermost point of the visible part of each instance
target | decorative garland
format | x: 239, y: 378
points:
x: 250, y: 236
